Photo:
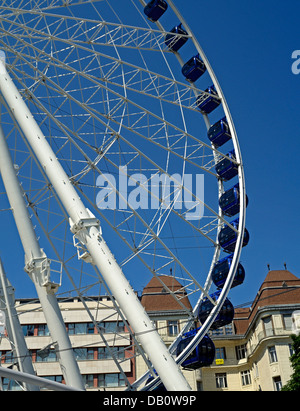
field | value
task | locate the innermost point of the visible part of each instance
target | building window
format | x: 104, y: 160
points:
x: 90, y: 328
x: 277, y: 383
x: 46, y: 355
x: 221, y: 380
x: 268, y: 326
x: 80, y: 354
x: 55, y: 378
x: 173, y: 328
x: 105, y: 354
x: 28, y: 330
x: 246, y: 377
x: 112, y: 326
x: 229, y: 329
x: 90, y: 354
x: 7, y: 357
x: 287, y: 322
x: 226, y: 330
x: 88, y: 380
x: 84, y: 354
x: 272, y: 354
x: 80, y: 328
x: 102, y: 353
x: 241, y: 351
x: 111, y: 380
x: 42, y: 330
x: 217, y: 332
x: 220, y: 353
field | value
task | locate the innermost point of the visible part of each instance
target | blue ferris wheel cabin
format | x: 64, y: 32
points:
x: 202, y: 356
x: 208, y: 101
x: 175, y: 41
x: 230, y: 201
x: 155, y: 9
x: 228, y: 237
x: 221, y: 270
x: 193, y: 69
x: 224, y: 316
x: 226, y: 168
x: 219, y: 133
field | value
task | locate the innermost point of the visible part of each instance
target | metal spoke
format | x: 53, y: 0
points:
x: 106, y: 97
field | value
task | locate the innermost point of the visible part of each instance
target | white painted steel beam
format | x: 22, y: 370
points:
x: 34, y: 380
x: 88, y: 231
x: 14, y: 329
x: 37, y: 266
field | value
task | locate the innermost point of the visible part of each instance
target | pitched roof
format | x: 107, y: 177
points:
x: 280, y: 287
x: 277, y: 276
x: 157, y: 295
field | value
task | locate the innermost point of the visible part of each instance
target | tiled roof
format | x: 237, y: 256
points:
x: 280, y: 287
x: 157, y: 295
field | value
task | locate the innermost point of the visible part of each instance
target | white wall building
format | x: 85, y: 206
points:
x: 252, y: 353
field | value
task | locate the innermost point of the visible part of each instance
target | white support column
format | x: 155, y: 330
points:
x: 37, y: 266
x: 87, y: 230
x: 14, y: 329
x: 34, y: 380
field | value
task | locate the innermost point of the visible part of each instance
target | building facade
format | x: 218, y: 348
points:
x: 252, y: 353
x: 96, y: 365
x: 168, y: 315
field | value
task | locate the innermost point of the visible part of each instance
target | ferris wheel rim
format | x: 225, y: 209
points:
x: 238, y: 247
x: 242, y: 213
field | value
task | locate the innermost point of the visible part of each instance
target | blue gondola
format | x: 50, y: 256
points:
x: 208, y: 100
x: 227, y: 169
x: 224, y: 316
x: 221, y: 271
x: 230, y: 201
x: 219, y: 133
x: 202, y: 356
x: 175, y: 41
x: 193, y: 69
x: 227, y: 237
x: 155, y: 9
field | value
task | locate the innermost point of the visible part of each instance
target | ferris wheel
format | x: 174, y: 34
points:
x: 120, y: 160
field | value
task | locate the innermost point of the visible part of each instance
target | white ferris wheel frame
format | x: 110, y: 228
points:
x: 86, y: 228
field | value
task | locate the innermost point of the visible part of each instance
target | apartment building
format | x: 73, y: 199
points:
x: 96, y: 365
x: 252, y: 353
x: 98, y: 369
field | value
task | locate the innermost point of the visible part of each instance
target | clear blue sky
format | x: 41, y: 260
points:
x: 250, y: 49
x: 249, y: 45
